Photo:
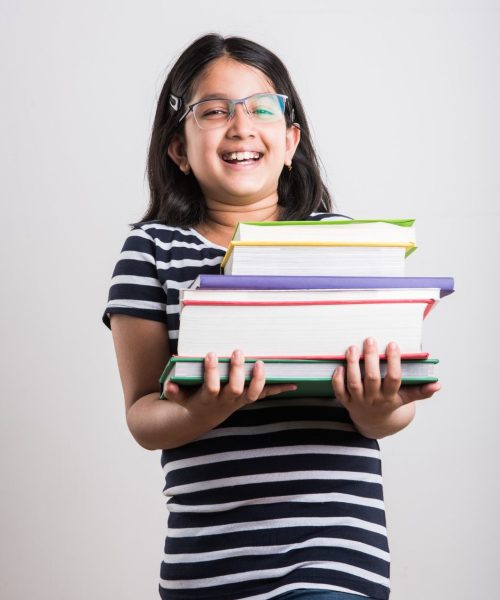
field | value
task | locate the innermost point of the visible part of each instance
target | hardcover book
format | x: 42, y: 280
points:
x: 402, y: 286
x: 312, y: 377
x: 333, y: 230
x: 300, y: 327
x: 330, y: 247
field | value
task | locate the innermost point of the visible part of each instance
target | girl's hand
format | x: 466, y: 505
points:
x: 215, y: 403
x: 377, y: 407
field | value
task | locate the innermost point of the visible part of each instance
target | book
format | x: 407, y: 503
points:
x: 210, y: 282
x: 350, y: 231
x: 251, y: 296
x: 312, y: 377
x: 315, y: 258
x: 293, y: 328
x: 330, y: 247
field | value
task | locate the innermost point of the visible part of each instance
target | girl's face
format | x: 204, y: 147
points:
x: 206, y: 152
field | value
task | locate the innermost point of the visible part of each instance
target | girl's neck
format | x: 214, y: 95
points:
x: 222, y: 218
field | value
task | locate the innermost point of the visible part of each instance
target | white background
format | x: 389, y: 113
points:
x: 403, y: 98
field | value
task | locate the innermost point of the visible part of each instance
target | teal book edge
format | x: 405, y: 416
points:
x: 318, y: 387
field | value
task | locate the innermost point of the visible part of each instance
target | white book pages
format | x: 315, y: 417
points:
x: 299, y: 330
x: 317, y: 260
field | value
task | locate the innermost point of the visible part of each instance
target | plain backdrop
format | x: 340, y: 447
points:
x: 403, y: 100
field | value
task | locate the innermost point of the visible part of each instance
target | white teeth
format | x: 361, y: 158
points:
x: 241, y: 155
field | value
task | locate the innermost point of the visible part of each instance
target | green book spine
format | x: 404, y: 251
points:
x: 312, y: 386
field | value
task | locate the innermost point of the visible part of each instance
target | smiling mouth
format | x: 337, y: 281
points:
x: 241, y: 157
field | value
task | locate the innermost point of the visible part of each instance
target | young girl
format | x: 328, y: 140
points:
x: 267, y: 497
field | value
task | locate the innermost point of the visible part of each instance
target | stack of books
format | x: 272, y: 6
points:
x: 297, y: 294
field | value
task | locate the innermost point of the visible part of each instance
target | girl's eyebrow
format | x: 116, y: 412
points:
x: 215, y: 96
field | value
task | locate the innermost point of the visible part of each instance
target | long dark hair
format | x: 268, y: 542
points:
x: 177, y: 199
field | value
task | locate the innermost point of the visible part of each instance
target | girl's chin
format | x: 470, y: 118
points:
x: 241, y: 183
x: 244, y: 196
x: 241, y: 195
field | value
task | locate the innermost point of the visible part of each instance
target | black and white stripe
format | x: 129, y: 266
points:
x: 285, y: 494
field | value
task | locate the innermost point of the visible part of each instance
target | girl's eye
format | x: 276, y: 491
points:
x: 264, y: 107
x: 214, y: 112
x: 263, y: 111
x: 211, y: 110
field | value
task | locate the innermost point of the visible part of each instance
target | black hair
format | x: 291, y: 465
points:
x: 177, y: 199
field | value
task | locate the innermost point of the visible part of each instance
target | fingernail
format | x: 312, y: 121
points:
x: 211, y: 358
x: 237, y: 355
x: 392, y: 346
x: 258, y: 369
x: 370, y: 341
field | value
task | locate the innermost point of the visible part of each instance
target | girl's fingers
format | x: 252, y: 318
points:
x: 338, y: 385
x: 257, y: 382
x: 171, y: 390
x: 175, y: 393
x: 277, y: 388
x: 258, y: 388
x: 372, y: 377
x: 392, y: 380
x: 211, y: 378
x: 236, y: 384
x: 353, y: 377
x: 411, y: 393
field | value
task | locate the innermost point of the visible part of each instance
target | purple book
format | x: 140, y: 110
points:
x: 299, y: 282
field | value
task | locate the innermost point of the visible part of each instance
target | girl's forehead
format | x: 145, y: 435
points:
x: 230, y: 78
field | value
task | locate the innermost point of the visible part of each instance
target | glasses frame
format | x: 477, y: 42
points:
x: 232, y: 107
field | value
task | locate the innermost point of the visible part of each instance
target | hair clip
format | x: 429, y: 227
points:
x: 292, y: 115
x: 175, y: 101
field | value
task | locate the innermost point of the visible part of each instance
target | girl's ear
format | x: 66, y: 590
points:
x: 177, y: 152
x: 292, y: 141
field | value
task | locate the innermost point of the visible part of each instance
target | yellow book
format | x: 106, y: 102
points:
x: 330, y: 247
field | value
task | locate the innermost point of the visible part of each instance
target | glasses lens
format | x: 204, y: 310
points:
x: 211, y: 113
x: 266, y: 107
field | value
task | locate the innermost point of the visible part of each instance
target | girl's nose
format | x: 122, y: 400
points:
x: 241, y: 123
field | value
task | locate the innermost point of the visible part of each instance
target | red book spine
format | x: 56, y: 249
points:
x: 304, y: 302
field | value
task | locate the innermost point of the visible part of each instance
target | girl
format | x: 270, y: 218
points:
x: 267, y: 497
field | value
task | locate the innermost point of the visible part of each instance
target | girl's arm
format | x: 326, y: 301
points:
x: 377, y: 407
x: 142, y: 350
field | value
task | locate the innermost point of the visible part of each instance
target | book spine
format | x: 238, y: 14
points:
x: 304, y: 302
x: 320, y: 357
x: 407, y: 245
x: 430, y: 306
x: 320, y: 282
x: 329, y: 222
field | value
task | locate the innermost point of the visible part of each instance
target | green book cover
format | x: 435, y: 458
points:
x: 313, y: 377
x: 400, y: 222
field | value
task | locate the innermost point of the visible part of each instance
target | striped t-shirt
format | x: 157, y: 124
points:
x: 285, y: 494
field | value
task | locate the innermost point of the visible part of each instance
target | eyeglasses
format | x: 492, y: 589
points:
x: 216, y: 112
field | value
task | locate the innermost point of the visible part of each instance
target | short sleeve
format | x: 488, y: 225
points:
x: 135, y: 288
